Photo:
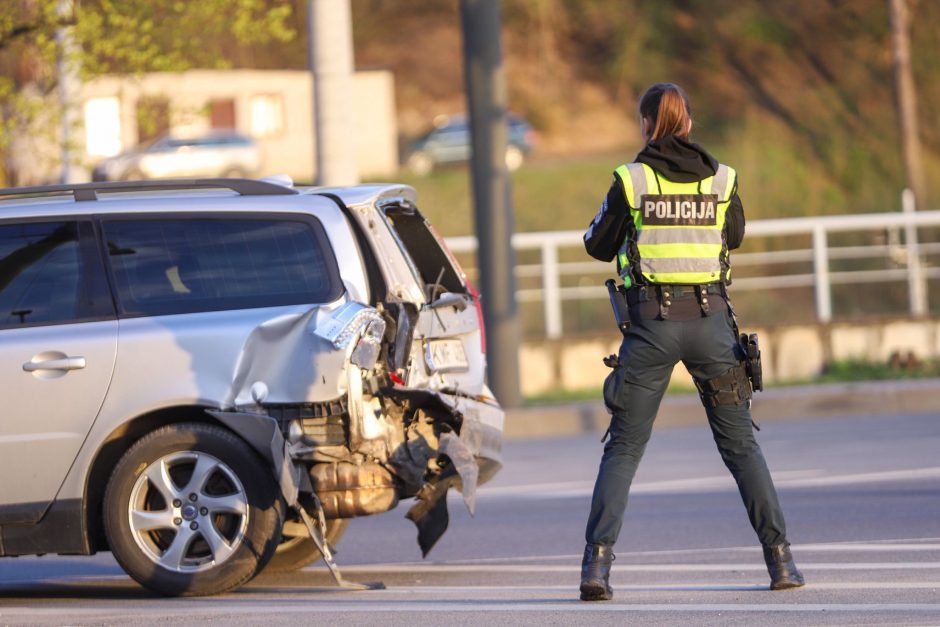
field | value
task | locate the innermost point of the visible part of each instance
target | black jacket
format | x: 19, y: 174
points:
x: 677, y: 160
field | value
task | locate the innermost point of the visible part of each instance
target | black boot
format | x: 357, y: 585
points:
x: 595, y: 573
x: 783, y: 571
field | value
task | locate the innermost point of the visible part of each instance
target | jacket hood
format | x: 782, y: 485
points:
x: 678, y: 160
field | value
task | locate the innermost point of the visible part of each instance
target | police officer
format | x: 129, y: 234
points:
x: 670, y: 219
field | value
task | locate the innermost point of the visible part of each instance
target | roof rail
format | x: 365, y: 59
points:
x: 90, y: 191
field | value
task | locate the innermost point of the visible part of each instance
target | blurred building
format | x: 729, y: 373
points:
x: 274, y: 107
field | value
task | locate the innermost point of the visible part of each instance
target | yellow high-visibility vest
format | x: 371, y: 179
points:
x: 678, y: 226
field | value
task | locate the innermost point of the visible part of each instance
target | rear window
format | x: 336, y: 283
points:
x: 439, y: 271
x: 172, y: 265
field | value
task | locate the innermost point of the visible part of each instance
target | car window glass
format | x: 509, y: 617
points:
x: 453, y: 131
x: 426, y: 251
x: 166, y: 266
x: 42, y: 276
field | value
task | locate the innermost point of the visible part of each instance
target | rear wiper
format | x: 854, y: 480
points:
x: 450, y: 299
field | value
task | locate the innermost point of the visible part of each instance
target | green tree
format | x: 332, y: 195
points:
x: 119, y: 37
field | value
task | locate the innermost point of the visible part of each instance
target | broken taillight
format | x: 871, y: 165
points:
x: 475, y: 295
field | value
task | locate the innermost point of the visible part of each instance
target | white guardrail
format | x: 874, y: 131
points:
x: 910, y: 255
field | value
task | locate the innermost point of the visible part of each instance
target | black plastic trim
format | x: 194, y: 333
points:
x: 22, y: 513
x: 83, y: 192
x: 61, y: 530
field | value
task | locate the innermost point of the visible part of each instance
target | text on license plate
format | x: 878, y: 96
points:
x: 445, y: 356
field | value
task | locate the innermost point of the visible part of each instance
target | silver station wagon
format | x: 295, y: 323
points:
x: 210, y: 377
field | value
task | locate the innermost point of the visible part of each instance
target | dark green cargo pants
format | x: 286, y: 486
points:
x: 633, y: 393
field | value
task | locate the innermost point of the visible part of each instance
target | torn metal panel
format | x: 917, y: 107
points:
x: 482, y: 432
x: 294, y: 364
x: 315, y: 523
x: 429, y: 513
x: 263, y: 433
x: 417, y: 454
x: 464, y: 464
x: 475, y: 454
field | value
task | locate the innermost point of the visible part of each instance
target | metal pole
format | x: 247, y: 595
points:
x: 821, y: 269
x: 917, y: 284
x: 907, y: 102
x: 551, y: 290
x: 486, y: 103
x: 69, y: 89
x: 331, y: 69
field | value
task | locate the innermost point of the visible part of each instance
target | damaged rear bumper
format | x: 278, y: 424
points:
x: 450, y: 440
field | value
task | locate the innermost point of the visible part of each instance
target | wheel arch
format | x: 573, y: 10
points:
x: 113, y: 448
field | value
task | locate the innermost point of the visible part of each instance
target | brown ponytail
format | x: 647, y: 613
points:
x: 667, y: 108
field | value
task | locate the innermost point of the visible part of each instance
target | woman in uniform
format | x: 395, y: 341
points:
x: 670, y: 218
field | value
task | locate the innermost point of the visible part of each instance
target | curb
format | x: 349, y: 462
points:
x: 863, y: 398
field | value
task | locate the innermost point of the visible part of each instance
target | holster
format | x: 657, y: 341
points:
x: 750, y: 351
x: 729, y: 388
x: 618, y: 302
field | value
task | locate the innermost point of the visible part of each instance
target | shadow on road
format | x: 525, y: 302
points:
x: 84, y: 590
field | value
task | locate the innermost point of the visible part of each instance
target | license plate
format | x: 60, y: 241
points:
x: 445, y: 356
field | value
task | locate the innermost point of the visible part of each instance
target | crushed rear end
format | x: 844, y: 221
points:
x: 411, y: 415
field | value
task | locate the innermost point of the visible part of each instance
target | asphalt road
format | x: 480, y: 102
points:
x: 861, y: 495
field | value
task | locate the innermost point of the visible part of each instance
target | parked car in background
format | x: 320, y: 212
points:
x: 219, y: 153
x: 211, y: 377
x: 449, y: 142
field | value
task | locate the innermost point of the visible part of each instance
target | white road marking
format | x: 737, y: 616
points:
x: 866, y: 477
x: 787, y: 479
x: 861, y: 547
x: 846, y: 547
x: 220, y: 609
x: 704, y: 587
x: 662, y: 568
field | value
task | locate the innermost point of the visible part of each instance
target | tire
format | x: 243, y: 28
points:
x: 296, y: 552
x: 420, y: 163
x: 191, y: 510
x: 514, y: 158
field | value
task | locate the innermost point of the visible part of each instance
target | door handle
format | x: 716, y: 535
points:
x: 65, y: 363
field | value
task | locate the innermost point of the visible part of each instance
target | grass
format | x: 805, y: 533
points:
x: 548, y: 195
x: 564, y: 193
x: 900, y: 367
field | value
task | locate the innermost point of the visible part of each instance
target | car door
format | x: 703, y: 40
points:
x: 58, y: 340
x: 213, y: 303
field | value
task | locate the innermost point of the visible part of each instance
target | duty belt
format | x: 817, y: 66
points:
x: 665, y: 294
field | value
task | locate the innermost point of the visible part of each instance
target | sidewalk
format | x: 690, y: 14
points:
x: 791, y: 403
